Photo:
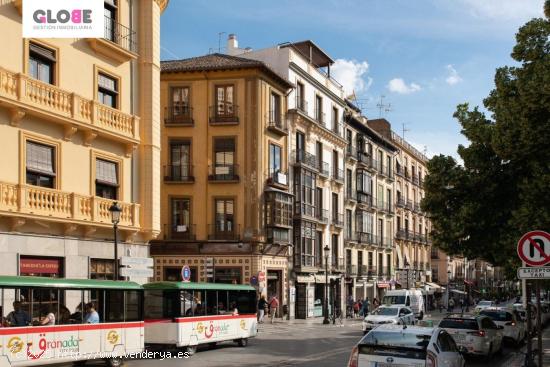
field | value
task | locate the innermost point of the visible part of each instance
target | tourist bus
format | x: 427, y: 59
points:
x: 51, y: 325
x: 186, y: 314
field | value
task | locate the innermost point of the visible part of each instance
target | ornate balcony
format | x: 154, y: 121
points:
x: 351, y: 152
x: 276, y: 122
x: 301, y: 157
x: 338, y: 175
x: 224, y: 232
x: 351, y: 270
x: 338, y: 220
x: 180, y: 232
x: 224, y: 173
x: 178, y: 173
x: 26, y: 95
x: 324, y: 170
x: 338, y: 264
x: 50, y: 204
x: 118, y: 42
x: 224, y: 114
x: 322, y: 215
x: 178, y: 116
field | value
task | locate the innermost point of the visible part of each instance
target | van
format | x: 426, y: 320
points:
x: 406, y: 297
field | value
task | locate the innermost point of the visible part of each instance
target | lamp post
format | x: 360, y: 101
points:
x: 326, y: 250
x: 115, y: 210
x: 448, y: 286
x: 407, y: 268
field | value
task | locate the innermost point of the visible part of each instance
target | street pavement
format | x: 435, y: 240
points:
x: 308, y: 344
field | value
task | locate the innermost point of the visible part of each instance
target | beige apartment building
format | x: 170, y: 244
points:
x: 370, y: 208
x: 412, y: 226
x: 79, y: 130
x: 226, y: 206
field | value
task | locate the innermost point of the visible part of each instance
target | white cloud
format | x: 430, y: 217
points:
x: 350, y: 73
x: 453, y: 77
x: 398, y: 85
x: 504, y: 9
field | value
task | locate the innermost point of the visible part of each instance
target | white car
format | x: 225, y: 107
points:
x: 479, y: 335
x: 396, y: 315
x: 514, y: 327
x: 396, y: 345
x: 483, y: 305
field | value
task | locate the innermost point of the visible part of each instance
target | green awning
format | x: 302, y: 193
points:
x: 7, y: 281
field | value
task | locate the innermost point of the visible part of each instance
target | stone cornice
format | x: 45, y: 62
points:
x: 162, y: 4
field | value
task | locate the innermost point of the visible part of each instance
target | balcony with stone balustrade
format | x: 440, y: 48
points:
x: 45, y: 204
x: 23, y: 95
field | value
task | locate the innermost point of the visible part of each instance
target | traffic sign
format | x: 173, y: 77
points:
x: 133, y: 272
x: 261, y: 276
x: 539, y: 272
x: 185, y: 273
x: 534, y: 248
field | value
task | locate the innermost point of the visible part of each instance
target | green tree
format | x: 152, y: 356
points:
x: 481, y: 208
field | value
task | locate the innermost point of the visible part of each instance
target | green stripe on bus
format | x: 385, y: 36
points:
x: 198, y: 286
x: 7, y: 281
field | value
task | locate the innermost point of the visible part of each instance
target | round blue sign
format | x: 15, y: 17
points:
x: 253, y: 280
x: 186, y: 273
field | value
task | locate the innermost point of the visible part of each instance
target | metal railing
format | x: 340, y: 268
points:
x: 277, y: 122
x: 365, y: 199
x: 179, y: 173
x: 351, y: 195
x: 351, y: 269
x: 399, y: 171
x: 307, y: 260
x: 322, y: 215
x: 184, y: 232
x: 350, y: 235
x: 320, y: 117
x: 278, y: 178
x: 366, y: 238
x: 224, y: 231
x: 178, y: 115
x: 223, y: 172
x: 119, y: 34
x: 400, y: 202
x: 301, y: 105
x: 338, y: 219
x: 324, y: 169
x: 224, y: 113
x: 338, y: 174
x: 387, y: 242
x: 338, y: 264
x: 304, y: 209
x: 305, y: 158
x: 351, y: 151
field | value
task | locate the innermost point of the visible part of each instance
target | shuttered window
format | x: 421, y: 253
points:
x: 40, y: 167
x: 106, y: 179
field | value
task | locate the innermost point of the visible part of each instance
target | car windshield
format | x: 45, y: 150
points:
x: 396, y: 339
x: 385, y: 311
x: 458, y: 324
x: 498, y: 315
x: 394, y: 300
x: 484, y: 303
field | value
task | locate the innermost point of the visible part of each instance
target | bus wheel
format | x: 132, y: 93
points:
x: 191, y: 349
x: 114, y: 362
x: 242, y: 342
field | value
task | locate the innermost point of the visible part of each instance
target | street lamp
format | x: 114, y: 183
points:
x: 115, y: 210
x: 448, y: 286
x: 326, y: 250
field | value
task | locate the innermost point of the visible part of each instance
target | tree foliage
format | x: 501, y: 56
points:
x: 481, y: 208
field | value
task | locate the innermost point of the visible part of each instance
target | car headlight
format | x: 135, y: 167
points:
x: 392, y: 321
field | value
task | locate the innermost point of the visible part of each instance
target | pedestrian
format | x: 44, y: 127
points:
x: 273, y: 306
x: 355, y: 309
x: 462, y: 305
x: 262, y: 305
x: 451, y: 305
x: 349, y: 306
x: 375, y: 303
x: 440, y: 304
x: 366, y: 305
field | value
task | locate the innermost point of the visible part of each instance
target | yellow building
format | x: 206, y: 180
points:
x: 226, y: 208
x: 412, y: 226
x: 79, y: 127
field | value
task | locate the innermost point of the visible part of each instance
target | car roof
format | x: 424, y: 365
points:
x: 412, y: 329
x: 499, y: 309
x: 463, y: 316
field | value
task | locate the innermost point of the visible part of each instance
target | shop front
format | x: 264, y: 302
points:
x: 51, y: 267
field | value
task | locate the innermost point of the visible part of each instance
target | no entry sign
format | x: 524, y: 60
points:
x: 534, y: 248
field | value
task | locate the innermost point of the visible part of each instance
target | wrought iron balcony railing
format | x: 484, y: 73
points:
x: 223, y: 172
x: 183, y: 232
x: 224, y: 231
x: 178, y: 116
x: 120, y: 34
x: 224, y: 113
x: 178, y: 173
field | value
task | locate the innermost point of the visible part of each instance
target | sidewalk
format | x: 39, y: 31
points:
x: 517, y: 358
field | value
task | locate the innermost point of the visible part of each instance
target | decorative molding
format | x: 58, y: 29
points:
x: 16, y: 114
x: 130, y: 149
x: 70, y: 228
x: 89, y: 136
x: 162, y: 4
x: 70, y: 130
x: 89, y: 231
x: 111, y: 50
x: 16, y: 222
x: 129, y: 236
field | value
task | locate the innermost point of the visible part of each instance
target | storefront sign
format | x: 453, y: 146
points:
x: 383, y: 284
x: 39, y: 266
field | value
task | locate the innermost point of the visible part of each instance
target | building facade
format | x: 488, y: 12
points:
x: 79, y: 130
x: 412, y: 226
x: 317, y: 152
x: 226, y: 198
x: 370, y: 208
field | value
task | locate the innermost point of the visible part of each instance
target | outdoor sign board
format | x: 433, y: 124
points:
x: 539, y: 272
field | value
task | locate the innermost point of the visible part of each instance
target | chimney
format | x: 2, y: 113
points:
x: 232, y: 45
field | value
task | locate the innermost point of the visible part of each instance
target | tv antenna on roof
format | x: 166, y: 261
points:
x: 383, y: 107
x: 220, y: 41
x: 405, y: 130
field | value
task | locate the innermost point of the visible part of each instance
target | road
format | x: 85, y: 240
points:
x: 299, y: 344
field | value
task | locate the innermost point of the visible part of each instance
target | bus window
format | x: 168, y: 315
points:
x: 222, y: 303
x: 153, y: 304
x: 72, y: 310
x: 199, y: 297
x: 133, y: 306
x: 211, y: 303
x: 408, y: 301
x: 114, y: 306
x: 187, y: 303
x: 246, y: 302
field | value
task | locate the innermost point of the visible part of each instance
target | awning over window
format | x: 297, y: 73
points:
x: 106, y: 172
x: 39, y: 157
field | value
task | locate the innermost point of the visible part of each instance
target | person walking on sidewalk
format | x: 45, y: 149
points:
x: 262, y: 305
x: 273, y: 306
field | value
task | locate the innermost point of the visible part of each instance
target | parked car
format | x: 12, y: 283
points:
x: 479, y: 335
x: 412, y: 298
x: 514, y: 327
x: 395, y: 345
x: 484, y: 304
x: 397, y: 315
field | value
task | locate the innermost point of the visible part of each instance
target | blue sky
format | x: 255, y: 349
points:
x: 424, y: 56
